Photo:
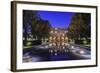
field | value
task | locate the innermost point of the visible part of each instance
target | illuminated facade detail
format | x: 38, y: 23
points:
x: 58, y: 37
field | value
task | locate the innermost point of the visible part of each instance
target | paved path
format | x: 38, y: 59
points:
x: 40, y: 53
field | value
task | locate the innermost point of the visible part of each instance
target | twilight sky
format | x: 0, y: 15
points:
x: 57, y: 19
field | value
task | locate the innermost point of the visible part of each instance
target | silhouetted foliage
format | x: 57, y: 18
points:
x: 80, y: 26
x: 41, y: 28
x: 34, y: 25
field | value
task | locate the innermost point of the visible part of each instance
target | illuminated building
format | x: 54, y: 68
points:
x: 58, y: 37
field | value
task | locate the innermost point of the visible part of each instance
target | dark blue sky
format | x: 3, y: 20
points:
x: 57, y: 19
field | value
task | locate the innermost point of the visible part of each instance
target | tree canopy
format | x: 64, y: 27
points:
x: 34, y: 25
x: 80, y: 26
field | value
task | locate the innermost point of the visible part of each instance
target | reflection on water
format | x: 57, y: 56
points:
x: 54, y: 54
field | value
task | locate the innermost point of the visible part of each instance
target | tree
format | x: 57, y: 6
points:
x: 28, y: 16
x: 34, y: 25
x: 41, y: 28
x: 80, y: 26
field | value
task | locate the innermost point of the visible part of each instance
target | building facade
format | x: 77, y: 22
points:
x: 58, y: 37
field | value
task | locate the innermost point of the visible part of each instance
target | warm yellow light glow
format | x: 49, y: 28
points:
x: 54, y: 38
x: 62, y: 38
x: 55, y: 31
x: 63, y: 43
x: 50, y: 38
x: 51, y: 32
x: 66, y: 38
x: 58, y: 37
